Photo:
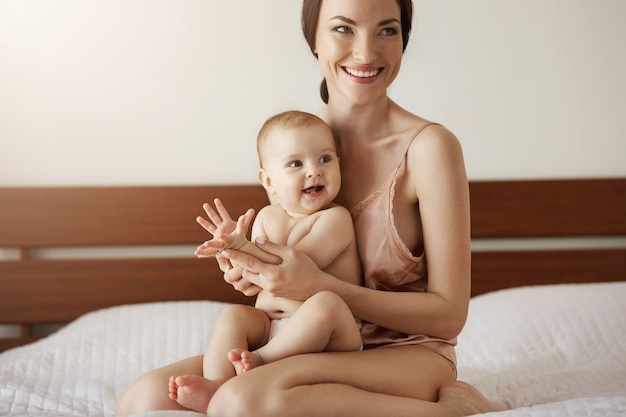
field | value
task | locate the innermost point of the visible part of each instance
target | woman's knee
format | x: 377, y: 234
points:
x: 150, y: 391
x: 140, y: 396
x: 230, y: 400
x: 244, y: 397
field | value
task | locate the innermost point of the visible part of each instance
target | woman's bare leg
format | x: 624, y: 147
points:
x: 405, y: 381
x: 323, y: 323
x: 150, y: 391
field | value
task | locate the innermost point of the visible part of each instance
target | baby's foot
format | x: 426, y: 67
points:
x: 192, y: 391
x: 243, y: 360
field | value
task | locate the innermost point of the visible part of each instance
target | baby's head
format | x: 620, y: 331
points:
x: 299, y: 162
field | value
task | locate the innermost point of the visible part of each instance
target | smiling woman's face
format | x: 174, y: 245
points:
x: 359, y: 47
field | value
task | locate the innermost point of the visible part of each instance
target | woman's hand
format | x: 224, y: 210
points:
x: 296, y: 277
x: 234, y: 276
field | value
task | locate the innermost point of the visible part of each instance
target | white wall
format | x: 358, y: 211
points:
x: 109, y: 92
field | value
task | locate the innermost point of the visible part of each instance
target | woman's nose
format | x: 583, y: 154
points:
x: 364, y: 49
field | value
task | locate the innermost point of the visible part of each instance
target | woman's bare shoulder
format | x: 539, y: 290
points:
x: 434, y: 141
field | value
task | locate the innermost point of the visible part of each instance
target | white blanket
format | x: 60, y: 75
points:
x: 542, y: 351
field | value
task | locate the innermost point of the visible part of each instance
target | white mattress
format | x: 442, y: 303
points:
x: 542, y: 351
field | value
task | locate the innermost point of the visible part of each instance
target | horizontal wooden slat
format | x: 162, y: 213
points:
x: 11, y: 343
x: 59, y: 291
x: 591, y: 207
x: 498, y: 270
x: 165, y: 215
x: 36, y: 217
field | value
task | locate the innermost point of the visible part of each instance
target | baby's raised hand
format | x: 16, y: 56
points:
x: 226, y: 232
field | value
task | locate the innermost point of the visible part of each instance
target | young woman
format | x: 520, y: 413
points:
x: 404, y: 182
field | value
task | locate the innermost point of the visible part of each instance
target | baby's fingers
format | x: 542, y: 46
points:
x: 211, y: 214
x: 205, y: 253
x: 244, y: 221
x: 221, y: 210
x: 207, y: 225
x: 209, y: 249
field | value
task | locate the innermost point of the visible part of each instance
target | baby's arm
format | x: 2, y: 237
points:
x: 228, y: 234
x: 332, y: 246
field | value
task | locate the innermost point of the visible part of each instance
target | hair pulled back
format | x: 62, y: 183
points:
x: 310, y: 19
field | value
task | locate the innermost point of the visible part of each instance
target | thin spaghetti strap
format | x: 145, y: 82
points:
x: 417, y: 133
x: 359, y: 207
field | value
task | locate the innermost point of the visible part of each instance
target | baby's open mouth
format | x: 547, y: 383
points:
x: 314, y: 190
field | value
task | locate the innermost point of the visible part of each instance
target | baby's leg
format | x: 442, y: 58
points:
x: 323, y: 322
x: 239, y: 327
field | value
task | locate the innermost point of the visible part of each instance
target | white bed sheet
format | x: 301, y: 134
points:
x: 542, y: 351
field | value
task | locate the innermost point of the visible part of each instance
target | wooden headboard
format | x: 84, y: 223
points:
x: 35, y: 289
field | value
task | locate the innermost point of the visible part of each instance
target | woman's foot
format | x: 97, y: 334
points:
x: 243, y: 360
x: 467, y: 398
x: 192, y: 391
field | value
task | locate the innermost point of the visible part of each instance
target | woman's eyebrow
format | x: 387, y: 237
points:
x: 344, y: 19
x: 389, y: 21
x: 353, y: 22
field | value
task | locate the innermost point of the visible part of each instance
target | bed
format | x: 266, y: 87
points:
x: 109, y: 271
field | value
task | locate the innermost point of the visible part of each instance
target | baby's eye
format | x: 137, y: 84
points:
x: 295, y: 164
x: 326, y: 159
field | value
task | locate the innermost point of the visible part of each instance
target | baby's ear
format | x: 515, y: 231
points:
x: 266, y: 181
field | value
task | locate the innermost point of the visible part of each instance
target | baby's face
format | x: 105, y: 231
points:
x: 302, y: 168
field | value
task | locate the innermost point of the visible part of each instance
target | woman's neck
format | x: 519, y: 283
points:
x: 365, y: 122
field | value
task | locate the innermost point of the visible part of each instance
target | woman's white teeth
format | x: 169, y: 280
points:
x: 362, y: 74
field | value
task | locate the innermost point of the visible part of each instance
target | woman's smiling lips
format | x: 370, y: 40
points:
x: 363, y: 73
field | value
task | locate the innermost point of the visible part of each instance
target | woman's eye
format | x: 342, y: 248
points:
x: 343, y: 29
x: 389, y: 31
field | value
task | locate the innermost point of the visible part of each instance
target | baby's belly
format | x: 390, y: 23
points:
x: 276, y: 307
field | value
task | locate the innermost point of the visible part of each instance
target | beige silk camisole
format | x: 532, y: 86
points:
x: 388, y: 265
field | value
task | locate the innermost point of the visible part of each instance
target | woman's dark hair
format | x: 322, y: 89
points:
x: 310, y: 18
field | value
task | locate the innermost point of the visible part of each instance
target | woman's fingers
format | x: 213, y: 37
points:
x: 234, y: 277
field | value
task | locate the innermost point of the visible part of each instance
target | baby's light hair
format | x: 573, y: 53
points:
x: 286, y: 120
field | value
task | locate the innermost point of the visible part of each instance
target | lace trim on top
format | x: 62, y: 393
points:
x: 390, y: 181
x: 358, y: 209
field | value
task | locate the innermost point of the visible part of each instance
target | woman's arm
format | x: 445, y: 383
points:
x: 298, y: 278
x: 435, y: 180
x: 437, y: 173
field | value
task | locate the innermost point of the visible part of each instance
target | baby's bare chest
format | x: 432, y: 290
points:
x: 289, y: 231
